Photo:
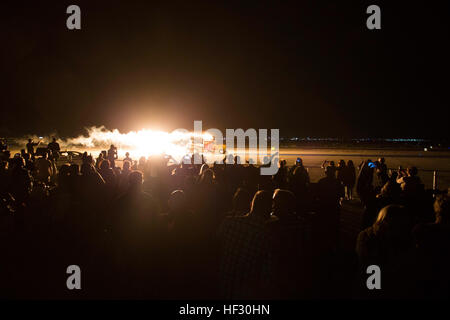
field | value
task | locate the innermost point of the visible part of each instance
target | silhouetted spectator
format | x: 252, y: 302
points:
x: 127, y: 157
x: 99, y: 160
x: 290, y: 257
x: 433, y: 243
x: 182, y: 245
x: 387, y: 244
x: 123, y: 179
x: 349, y: 179
x: 389, y: 194
x: 44, y: 169
x: 364, y: 186
x: 112, y: 156
x: 245, y: 250
x: 382, y: 172
x: 31, y: 145
x: 107, y: 173
x: 340, y: 171
x: 134, y: 227
x: 54, y: 149
x: 20, y: 180
x: 298, y: 178
x: 330, y: 193
x: 331, y: 166
x: 409, y: 181
x: 241, y: 202
x: 280, y: 178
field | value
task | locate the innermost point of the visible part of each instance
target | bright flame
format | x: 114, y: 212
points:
x: 140, y: 143
x: 144, y: 142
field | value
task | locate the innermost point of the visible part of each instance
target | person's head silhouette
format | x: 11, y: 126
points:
x: 17, y: 162
x: 203, y: 168
x: 104, y: 165
x: 412, y: 171
x: 74, y: 169
x: 177, y: 201
x: 350, y: 164
x: 329, y: 172
x: 261, y: 204
x: 126, y: 165
x: 207, y: 177
x: 230, y: 159
x: 135, y: 180
x: 394, y: 220
x: 241, y: 200
x: 283, y: 203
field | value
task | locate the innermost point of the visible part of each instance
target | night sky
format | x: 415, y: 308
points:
x: 309, y: 68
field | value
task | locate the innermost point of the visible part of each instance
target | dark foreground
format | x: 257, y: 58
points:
x: 222, y: 232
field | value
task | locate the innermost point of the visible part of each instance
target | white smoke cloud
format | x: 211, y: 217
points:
x: 144, y: 142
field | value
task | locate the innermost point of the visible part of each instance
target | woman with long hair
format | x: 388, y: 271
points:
x: 349, y: 179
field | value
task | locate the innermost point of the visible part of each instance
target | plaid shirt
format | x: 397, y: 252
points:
x: 245, y: 255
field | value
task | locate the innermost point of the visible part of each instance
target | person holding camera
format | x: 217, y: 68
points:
x: 31, y: 145
x: 408, y: 179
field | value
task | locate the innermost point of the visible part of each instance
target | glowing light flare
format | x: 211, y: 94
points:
x: 144, y: 142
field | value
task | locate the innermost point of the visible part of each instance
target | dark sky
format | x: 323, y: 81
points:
x: 309, y: 68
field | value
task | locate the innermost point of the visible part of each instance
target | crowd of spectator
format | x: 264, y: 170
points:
x: 158, y: 229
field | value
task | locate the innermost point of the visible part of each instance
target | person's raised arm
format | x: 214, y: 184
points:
x: 360, y: 165
x: 400, y: 175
